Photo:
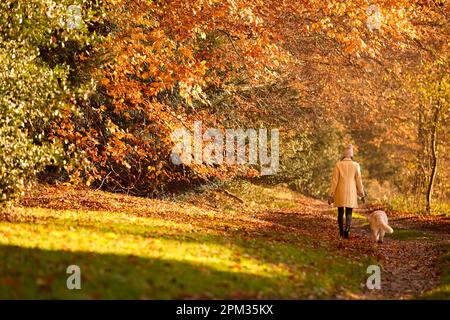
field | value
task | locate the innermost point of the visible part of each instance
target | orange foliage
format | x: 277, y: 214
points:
x: 171, y: 60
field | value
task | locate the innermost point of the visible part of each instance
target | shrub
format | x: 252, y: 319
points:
x: 38, y: 79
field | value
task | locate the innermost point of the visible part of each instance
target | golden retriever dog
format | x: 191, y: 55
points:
x: 379, y: 225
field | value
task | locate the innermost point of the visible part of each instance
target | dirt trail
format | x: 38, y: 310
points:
x: 410, y: 265
x: 409, y: 257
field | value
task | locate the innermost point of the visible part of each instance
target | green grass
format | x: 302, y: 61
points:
x: 356, y: 215
x: 167, y: 254
x: 260, y: 195
x: 442, y: 292
x: 412, y: 205
x: 399, y: 233
x: 409, y: 234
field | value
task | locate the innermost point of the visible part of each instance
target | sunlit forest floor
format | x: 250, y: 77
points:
x: 242, y: 241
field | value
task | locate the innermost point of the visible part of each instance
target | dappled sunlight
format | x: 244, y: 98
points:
x: 228, y: 242
x: 255, y: 248
x: 115, y: 233
x: 113, y: 276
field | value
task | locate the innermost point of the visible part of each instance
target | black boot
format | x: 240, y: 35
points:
x: 341, y: 221
x: 346, y: 232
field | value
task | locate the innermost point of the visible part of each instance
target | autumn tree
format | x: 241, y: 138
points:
x: 314, y: 69
x: 171, y: 63
x: 433, y: 115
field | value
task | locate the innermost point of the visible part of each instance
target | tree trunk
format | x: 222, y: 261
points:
x: 433, y: 160
x: 421, y: 173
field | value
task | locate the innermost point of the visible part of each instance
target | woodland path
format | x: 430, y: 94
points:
x: 409, y: 256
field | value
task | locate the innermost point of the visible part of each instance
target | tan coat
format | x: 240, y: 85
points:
x: 346, y: 184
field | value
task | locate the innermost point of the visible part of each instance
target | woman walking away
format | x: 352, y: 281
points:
x: 346, y: 186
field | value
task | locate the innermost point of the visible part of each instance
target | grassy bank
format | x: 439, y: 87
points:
x: 208, y: 246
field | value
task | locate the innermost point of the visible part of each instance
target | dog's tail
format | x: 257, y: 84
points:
x: 386, y: 227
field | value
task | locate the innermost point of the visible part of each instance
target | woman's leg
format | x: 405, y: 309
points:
x: 341, y: 220
x: 348, y: 217
x: 348, y: 221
